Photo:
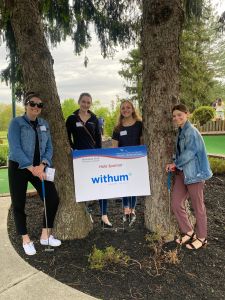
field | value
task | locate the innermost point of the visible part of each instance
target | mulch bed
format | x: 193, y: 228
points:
x: 199, y: 275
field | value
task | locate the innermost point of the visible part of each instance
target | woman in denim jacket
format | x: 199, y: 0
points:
x: 30, y: 151
x: 192, y: 168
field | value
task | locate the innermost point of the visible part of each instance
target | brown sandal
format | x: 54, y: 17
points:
x: 189, y: 238
x: 192, y: 246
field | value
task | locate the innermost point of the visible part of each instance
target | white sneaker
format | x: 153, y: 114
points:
x: 51, y: 242
x: 29, y: 248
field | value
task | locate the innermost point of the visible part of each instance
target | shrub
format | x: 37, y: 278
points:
x: 3, y: 155
x: 98, y: 259
x: 203, y: 114
x: 217, y: 165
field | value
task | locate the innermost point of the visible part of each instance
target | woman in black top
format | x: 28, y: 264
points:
x: 83, y: 133
x: 128, y: 132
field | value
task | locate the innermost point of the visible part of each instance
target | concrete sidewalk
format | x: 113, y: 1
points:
x: 20, y: 281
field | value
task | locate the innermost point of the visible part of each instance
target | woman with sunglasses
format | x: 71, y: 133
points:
x: 83, y: 133
x: 30, y: 152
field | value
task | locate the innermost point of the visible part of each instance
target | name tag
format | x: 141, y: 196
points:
x: 124, y: 132
x: 79, y: 124
x: 43, y: 128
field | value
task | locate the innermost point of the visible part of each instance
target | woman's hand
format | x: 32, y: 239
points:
x: 170, y: 167
x: 39, y: 171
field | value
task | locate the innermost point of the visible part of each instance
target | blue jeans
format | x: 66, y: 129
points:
x: 129, y: 202
x: 103, y: 204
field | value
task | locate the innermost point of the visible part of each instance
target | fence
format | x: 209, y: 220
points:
x: 212, y: 127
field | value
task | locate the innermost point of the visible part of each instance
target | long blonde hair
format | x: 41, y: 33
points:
x: 135, y: 115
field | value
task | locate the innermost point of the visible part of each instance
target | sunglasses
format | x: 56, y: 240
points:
x: 33, y: 104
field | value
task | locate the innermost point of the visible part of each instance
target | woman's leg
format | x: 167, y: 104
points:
x: 103, y: 204
x: 18, y: 179
x: 51, y: 200
x: 133, y: 201
x: 179, y: 195
x: 126, y: 208
x: 197, y: 200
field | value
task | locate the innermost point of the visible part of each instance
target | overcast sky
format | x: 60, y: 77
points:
x: 100, y: 78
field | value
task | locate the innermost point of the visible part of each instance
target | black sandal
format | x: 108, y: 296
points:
x: 190, y: 239
x: 203, y: 245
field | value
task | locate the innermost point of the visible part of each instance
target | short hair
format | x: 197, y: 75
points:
x: 180, y: 107
x: 29, y: 95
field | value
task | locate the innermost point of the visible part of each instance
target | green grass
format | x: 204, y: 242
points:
x: 215, y: 144
x: 4, y: 185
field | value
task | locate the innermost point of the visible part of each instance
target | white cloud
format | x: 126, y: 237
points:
x: 100, y: 78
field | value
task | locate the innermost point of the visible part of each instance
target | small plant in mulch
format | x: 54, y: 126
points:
x: 98, y: 259
x: 160, y: 257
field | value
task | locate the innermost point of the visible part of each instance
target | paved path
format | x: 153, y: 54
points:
x: 20, y: 281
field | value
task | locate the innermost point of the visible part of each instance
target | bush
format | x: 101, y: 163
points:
x: 217, y: 165
x: 203, y: 114
x: 3, y: 155
x: 99, y: 259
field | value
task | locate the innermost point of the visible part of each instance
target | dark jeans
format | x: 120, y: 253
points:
x: 129, y: 202
x: 18, y: 181
x: 103, y: 204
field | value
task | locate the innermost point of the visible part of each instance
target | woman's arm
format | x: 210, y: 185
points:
x: 189, y: 152
x: 115, y: 143
x: 47, y: 156
x: 69, y: 132
x: 14, y: 138
x: 98, y: 136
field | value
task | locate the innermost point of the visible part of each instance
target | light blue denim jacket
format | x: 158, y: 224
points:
x: 21, y: 137
x: 193, y: 158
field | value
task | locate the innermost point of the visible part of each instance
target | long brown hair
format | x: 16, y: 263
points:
x: 135, y: 115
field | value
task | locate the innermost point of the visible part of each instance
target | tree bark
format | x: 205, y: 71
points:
x: 161, y: 31
x: 37, y: 66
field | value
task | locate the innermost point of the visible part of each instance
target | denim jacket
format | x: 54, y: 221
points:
x: 192, y: 157
x: 21, y: 137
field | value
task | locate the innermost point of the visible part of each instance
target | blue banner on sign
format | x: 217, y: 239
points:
x: 121, y: 152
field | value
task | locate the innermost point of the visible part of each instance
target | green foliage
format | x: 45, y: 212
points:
x: 217, y: 165
x: 3, y: 154
x: 114, y: 23
x: 132, y: 73
x: 6, y: 114
x: 203, y: 114
x: 99, y: 259
x: 68, y: 107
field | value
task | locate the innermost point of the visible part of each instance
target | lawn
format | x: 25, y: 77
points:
x: 4, y: 185
x: 215, y: 144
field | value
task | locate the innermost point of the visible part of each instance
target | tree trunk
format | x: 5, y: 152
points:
x: 162, y: 26
x: 37, y: 66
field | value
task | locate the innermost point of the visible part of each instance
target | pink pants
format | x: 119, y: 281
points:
x: 180, y: 193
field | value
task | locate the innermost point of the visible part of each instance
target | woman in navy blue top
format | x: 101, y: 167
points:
x: 128, y: 132
x: 83, y: 133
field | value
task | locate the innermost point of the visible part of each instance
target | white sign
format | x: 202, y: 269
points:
x: 110, y: 173
x: 50, y: 174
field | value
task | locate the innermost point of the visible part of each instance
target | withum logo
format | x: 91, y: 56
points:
x: 109, y: 178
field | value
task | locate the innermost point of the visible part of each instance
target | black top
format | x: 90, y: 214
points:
x: 83, y: 135
x: 128, y: 135
x: 36, y: 158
